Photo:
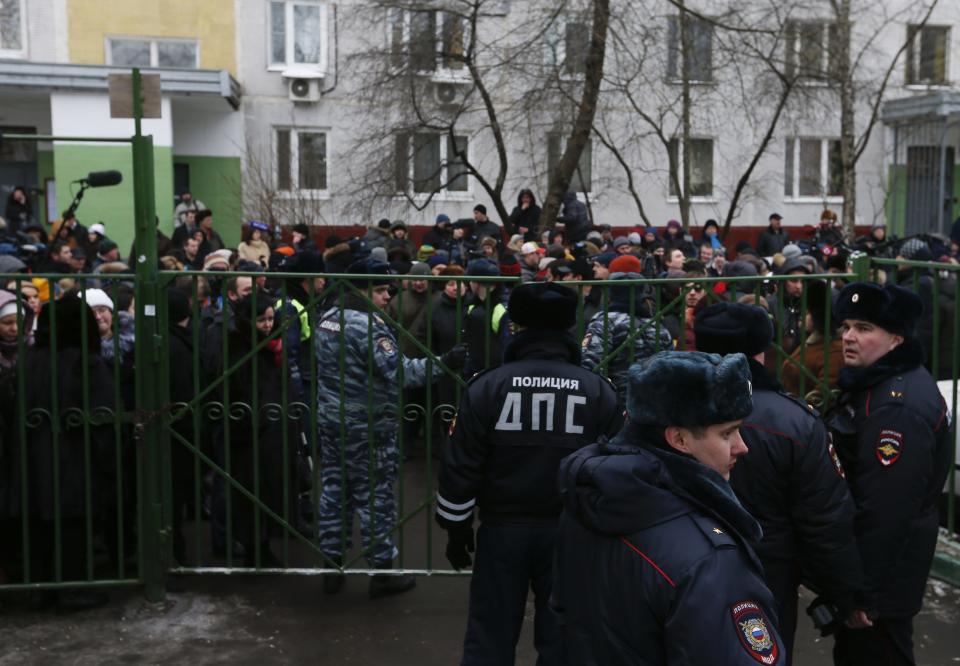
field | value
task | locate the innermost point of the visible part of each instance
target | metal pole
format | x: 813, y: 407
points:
x: 148, y: 354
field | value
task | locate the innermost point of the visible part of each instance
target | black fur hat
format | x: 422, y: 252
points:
x: 890, y: 307
x: 689, y: 389
x: 543, y: 305
x: 729, y: 328
x: 370, y: 266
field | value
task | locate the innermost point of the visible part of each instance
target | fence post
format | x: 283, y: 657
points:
x: 148, y: 349
x: 860, y: 264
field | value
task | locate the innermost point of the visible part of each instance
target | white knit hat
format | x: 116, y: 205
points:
x: 97, y: 229
x: 95, y: 297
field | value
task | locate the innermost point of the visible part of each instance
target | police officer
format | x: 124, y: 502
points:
x: 486, y: 325
x: 514, y: 425
x: 347, y: 403
x: 654, y: 563
x: 791, y: 481
x: 892, y: 432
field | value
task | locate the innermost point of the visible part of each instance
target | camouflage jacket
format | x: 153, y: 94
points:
x: 370, y: 371
x: 601, y: 338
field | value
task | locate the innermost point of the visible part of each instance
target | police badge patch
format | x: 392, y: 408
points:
x: 753, y: 631
x: 386, y: 345
x: 889, y: 446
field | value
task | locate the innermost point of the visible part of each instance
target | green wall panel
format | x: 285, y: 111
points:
x: 112, y: 205
x: 216, y: 181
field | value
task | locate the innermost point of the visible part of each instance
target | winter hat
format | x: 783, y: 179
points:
x: 96, y: 298
x: 301, y: 229
x: 97, y: 229
x: 443, y: 218
x: 515, y: 243
x: 8, y: 304
x: 911, y: 247
x: 106, y: 245
x: 418, y: 269
x: 178, y: 304
x: 626, y: 263
x: 739, y: 269
x: 379, y: 254
x: 634, y: 238
x: 890, y: 307
x: 509, y: 266
x: 217, y: 260
x: 425, y: 252
x: 260, y: 226
x: 729, y: 328
x: 620, y: 241
x: 437, y: 260
x: 482, y: 268
x: 10, y: 264
x: 452, y: 271
x: 604, y: 258
x: 307, y: 261
x: 818, y: 294
x: 480, y: 208
x: 398, y: 224
x: 488, y: 242
x: 793, y: 265
x: 791, y: 251
x: 543, y: 305
x: 70, y: 321
x: 719, y: 386
x: 370, y: 266
x: 529, y: 248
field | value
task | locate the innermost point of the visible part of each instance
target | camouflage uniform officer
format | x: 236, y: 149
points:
x: 358, y: 446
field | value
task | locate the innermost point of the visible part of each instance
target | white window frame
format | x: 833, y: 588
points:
x: 442, y: 194
x: 696, y: 198
x: 439, y: 74
x: 825, y: 52
x: 679, y: 78
x: 915, y: 52
x: 555, y: 45
x: 20, y: 53
x: 295, y: 191
x: 154, y: 52
x: 290, y: 37
x: 795, y: 196
x: 594, y: 192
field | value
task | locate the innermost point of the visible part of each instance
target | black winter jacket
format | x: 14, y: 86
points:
x: 771, y: 241
x: 653, y: 564
x: 514, y: 425
x: 792, y: 482
x: 892, y: 432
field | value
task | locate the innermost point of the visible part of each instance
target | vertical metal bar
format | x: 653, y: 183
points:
x: 227, y: 453
x: 22, y: 431
x: 954, y: 375
x: 255, y: 428
x: 55, y: 432
x: 147, y: 352
x: 343, y: 422
x: 118, y: 437
x: 195, y: 413
x: 280, y: 316
x: 85, y: 402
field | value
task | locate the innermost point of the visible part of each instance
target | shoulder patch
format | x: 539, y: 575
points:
x: 713, y: 530
x: 834, y: 458
x: 753, y: 630
x: 889, y: 446
x: 586, y: 341
x: 386, y: 345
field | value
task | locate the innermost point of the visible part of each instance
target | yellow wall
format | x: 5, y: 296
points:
x: 211, y: 22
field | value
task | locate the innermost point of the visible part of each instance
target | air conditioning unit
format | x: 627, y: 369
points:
x: 304, y: 90
x: 303, y: 83
x: 449, y: 95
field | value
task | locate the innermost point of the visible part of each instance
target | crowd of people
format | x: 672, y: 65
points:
x: 421, y: 314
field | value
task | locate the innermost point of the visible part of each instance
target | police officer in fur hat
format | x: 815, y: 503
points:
x: 515, y: 423
x: 892, y: 431
x: 791, y: 481
x: 654, y: 560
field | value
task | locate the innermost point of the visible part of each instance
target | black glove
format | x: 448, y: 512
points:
x: 459, y: 546
x: 455, y: 358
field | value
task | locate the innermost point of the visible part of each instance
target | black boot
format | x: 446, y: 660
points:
x: 384, y: 585
x: 333, y: 582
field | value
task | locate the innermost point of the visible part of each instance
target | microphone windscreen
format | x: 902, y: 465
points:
x: 104, y: 178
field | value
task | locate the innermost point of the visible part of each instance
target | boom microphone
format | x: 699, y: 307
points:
x: 103, y: 178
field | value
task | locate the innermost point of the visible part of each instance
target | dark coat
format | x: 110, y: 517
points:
x: 438, y: 239
x: 653, y: 563
x: 491, y: 229
x: 892, y: 432
x: 502, y: 455
x: 410, y: 311
x: 528, y: 218
x: 792, y: 483
x: 771, y: 241
x: 486, y: 329
x: 576, y: 222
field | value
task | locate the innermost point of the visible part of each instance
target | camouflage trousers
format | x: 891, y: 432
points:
x: 357, y: 476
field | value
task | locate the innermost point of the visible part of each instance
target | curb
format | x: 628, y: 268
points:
x: 946, y: 561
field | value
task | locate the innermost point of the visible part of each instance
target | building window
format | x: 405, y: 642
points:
x: 700, y: 55
x: 810, y: 49
x: 582, y: 180
x: 301, y: 160
x: 298, y: 32
x: 813, y: 168
x: 427, y: 163
x: 701, y: 167
x: 927, y: 55
x: 567, y: 45
x: 428, y: 41
x: 12, y: 29
x: 139, y: 52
